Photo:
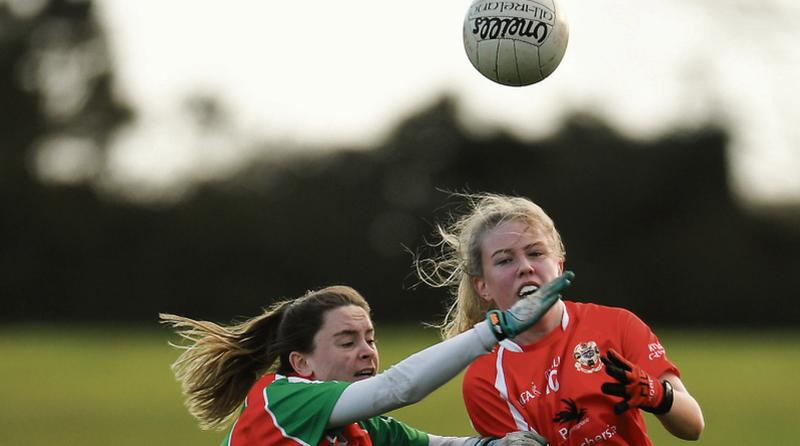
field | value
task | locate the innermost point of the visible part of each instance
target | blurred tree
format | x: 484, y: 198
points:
x: 55, y: 90
x: 57, y: 114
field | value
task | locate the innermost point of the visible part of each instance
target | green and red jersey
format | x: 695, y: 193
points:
x: 553, y: 385
x: 293, y: 411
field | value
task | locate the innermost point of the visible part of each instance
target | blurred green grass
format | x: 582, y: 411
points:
x: 101, y: 386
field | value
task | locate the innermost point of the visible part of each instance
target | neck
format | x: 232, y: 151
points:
x: 549, y: 322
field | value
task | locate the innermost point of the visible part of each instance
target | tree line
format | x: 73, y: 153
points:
x: 652, y: 226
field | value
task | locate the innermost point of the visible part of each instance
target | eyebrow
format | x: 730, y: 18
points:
x: 528, y: 246
x: 348, y: 332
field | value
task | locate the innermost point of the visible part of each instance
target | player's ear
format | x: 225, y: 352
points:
x: 561, y: 266
x: 479, y: 285
x: 300, y: 364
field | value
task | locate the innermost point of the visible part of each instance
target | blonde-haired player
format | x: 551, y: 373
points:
x: 584, y: 372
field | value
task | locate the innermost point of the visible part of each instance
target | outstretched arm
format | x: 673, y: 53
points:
x: 421, y: 373
x: 412, y: 378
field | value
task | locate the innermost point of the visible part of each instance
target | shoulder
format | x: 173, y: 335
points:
x: 262, y: 384
x: 583, y: 310
x: 297, y: 382
x: 481, y: 374
x: 285, y: 410
x: 483, y: 364
x: 291, y: 388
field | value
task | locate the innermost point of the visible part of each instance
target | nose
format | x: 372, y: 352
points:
x: 367, y: 351
x: 525, y: 267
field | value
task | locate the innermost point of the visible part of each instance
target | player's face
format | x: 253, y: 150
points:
x: 344, y: 348
x: 514, y: 255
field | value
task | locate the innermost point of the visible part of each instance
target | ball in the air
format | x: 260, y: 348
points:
x: 516, y: 42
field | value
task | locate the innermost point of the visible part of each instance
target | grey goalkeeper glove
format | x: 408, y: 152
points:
x: 528, y: 438
x: 526, y: 312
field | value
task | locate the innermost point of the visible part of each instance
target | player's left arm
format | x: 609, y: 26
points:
x: 685, y: 419
x: 641, y: 358
x: 666, y: 397
x: 387, y: 430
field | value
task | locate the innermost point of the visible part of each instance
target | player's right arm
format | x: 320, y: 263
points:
x: 421, y: 373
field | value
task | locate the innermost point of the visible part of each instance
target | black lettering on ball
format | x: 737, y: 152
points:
x: 488, y: 28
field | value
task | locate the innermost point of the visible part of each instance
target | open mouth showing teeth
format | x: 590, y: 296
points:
x: 366, y: 373
x: 527, y: 290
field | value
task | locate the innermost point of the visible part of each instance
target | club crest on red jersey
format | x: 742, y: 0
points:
x: 587, y: 357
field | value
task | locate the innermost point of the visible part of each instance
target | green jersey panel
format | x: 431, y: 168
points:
x: 386, y: 431
x: 302, y: 408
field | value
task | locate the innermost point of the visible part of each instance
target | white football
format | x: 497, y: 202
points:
x: 516, y: 42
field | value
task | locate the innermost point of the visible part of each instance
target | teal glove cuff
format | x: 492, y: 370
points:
x: 500, y: 327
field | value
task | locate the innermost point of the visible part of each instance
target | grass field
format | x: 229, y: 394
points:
x: 113, y: 386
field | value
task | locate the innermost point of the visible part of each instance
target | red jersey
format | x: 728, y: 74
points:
x: 553, y: 385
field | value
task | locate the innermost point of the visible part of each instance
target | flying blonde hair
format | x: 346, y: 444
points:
x: 457, y: 257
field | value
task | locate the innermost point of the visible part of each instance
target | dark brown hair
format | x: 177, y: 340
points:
x: 221, y: 363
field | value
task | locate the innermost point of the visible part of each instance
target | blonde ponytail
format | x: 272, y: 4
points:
x: 218, y: 367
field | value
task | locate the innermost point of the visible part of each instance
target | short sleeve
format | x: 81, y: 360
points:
x: 642, y: 347
x: 301, y: 408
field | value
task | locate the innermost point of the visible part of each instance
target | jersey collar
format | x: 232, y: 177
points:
x: 564, y: 315
x: 514, y: 347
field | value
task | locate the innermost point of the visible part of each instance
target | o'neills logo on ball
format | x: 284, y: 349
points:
x: 531, y: 11
x: 488, y: 28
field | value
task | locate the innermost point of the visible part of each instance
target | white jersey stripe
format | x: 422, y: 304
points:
x: 229, y: 439
x: 500, y: 385
x: 500, y: 378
